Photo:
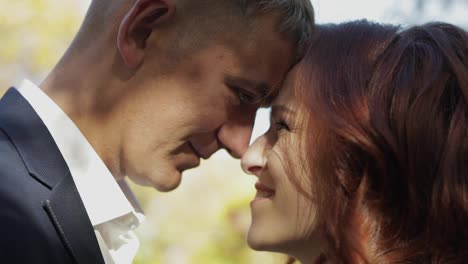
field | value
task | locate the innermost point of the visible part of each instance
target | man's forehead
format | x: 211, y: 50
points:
x: 264, y: 64
x: 260, y: 62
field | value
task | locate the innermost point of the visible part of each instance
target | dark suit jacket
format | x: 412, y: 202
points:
x: 42, y: 217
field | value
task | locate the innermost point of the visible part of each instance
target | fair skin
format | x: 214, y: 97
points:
x: 151, y: 120
x: 282, y: 218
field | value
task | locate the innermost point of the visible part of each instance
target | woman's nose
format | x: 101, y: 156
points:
x: 254, y: 161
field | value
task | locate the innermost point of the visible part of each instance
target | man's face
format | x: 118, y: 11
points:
x: 201, y: 106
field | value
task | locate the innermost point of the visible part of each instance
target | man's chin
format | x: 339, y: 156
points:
x: 167, y: 182
x: 162, y: 182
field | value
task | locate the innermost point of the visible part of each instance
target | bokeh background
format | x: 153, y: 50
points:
x: 206, y: 219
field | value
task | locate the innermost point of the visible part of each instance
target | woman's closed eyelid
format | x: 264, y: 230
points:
x: 279, y: 124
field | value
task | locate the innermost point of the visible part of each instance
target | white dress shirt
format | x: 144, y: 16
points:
x: 108, y: 202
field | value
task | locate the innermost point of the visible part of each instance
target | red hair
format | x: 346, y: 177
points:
x: 387, y: 122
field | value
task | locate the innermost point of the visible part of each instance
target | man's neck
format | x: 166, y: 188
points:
x: 76, y: 85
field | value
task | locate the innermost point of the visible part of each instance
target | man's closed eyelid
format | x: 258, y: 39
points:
x: 246, y: 96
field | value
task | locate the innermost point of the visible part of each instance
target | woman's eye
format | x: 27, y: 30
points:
x: 280, y: 125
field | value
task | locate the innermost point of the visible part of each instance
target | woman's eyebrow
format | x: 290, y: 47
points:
x: 279, y: 108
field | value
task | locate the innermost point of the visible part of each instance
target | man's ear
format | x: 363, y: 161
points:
x: 137, y: 26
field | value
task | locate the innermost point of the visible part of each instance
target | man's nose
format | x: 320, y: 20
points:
x: 235, y: 134
x: 235, y: 139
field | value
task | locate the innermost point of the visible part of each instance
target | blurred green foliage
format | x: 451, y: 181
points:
x: 34, y: 34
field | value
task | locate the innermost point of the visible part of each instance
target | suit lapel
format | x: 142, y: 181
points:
x: 66, y: 212
x: 45, y: 163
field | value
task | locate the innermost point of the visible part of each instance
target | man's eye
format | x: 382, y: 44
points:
x: 244, y: 96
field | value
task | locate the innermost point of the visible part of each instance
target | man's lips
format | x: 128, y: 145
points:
x: 204, y: 154
x: 263, y: 191
x: 195, y: 150
x: 186, y: 158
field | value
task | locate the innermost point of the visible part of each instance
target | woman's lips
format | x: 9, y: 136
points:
x: 263, y: 192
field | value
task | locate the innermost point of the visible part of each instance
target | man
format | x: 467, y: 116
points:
x: 146, y: 89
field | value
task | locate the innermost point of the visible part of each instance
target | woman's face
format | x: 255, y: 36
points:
x: 282, y: 218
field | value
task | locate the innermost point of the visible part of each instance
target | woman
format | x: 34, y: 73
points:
x: 365, y: 161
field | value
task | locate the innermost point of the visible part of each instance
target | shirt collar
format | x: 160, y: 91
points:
x: 102, y: 197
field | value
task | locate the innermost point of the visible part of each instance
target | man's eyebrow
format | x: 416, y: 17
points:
x: 261, y: 88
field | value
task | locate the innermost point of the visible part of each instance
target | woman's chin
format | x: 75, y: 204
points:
x: 261, y: 238
x: 258, y: 245
x: 262, y: 242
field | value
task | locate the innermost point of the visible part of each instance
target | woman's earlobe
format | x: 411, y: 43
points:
x: 137, y: 25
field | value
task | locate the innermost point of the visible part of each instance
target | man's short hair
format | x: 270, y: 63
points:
x: 198, y: 21
x: 296, y: 17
